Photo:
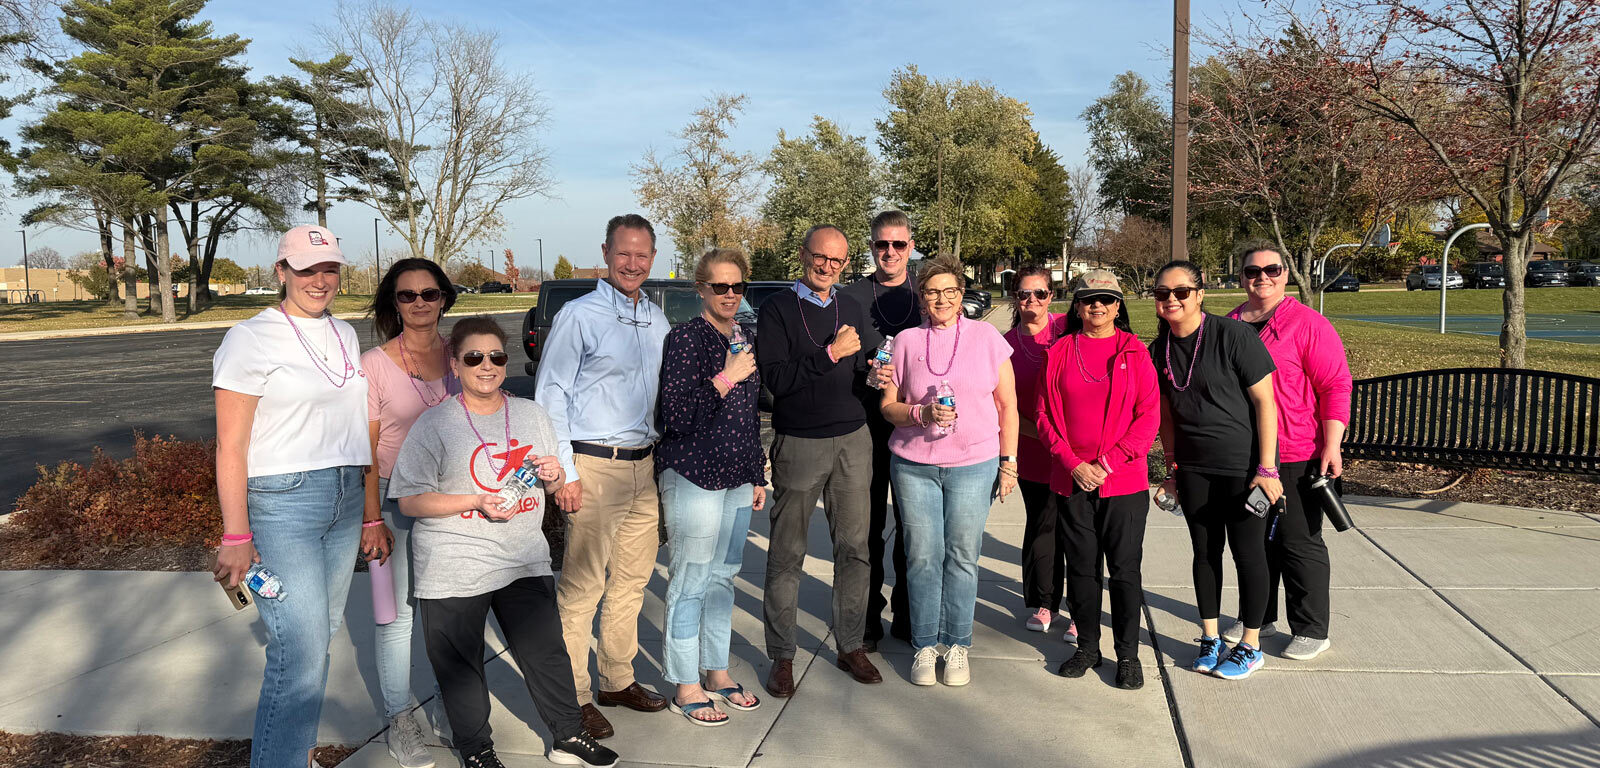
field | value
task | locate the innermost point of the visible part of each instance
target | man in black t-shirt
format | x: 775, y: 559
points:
x: 812, y: 356
x: 889, y: 295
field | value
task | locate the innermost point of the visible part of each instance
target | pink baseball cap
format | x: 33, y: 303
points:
x: 307, y: 246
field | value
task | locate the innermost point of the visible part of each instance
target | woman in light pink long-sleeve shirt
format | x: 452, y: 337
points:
x: 1312, y: 389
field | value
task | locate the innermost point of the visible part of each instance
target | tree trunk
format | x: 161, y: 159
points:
x: 130, y: 261
x: 102, y: 222
x: 1514, y: 327
x: 169, y: 310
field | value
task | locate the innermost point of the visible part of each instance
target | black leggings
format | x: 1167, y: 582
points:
x: 1299, y: 556
x: 1044, y: 546
x: 1213, y: 507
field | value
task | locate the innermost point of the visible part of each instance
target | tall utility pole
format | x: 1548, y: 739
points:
x: 1180, y: 129
x: 541, y: 258
x: 27, y: 289
x: 376, y: 254
x: 491, y: 259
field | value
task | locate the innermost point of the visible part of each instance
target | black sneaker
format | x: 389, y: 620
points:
x: 483, y: 759
x: 1081, y: 662
x: 582, y: 750
x: 1129, y: 674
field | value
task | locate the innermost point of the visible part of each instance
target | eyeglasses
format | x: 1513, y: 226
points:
x: 1037, y: 294
x: 932, y: 294
x: 1182, y: 293
x: 625, y: 320
x: 721, y: 289
x: 1106, y: 301
x: 821, y: 258
x: 474, y: 358
x: 429, y: 295
x: 883, y: 245
x: 1270, y: 270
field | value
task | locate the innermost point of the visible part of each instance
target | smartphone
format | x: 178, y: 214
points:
x: 239, y: 595
x: 1257, y: 503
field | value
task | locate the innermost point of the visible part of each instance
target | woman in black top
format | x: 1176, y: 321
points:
x: 1219, y: 430
x: 711, y: 480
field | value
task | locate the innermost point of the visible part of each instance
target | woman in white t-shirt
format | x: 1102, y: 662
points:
x: 291, y: 453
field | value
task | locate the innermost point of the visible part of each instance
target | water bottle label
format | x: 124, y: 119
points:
x: 736, y: 347
x: 528, y: 475
x: 948, y: 401
x: 883, y: 357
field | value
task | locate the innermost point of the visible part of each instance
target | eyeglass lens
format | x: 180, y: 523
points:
x: 1270, y: 270
x: 1182, y: 293
x: 428, y: 295
x: 721, y: 289
x: 474, y: 359
x: 883, y: 245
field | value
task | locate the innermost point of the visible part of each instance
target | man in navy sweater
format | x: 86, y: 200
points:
x: 812, y: 356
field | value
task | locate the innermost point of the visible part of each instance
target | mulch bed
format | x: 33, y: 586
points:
x: 1484, y: 486
x: 60, y: 750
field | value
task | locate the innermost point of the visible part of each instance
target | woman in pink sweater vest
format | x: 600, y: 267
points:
x: 1099, y: 408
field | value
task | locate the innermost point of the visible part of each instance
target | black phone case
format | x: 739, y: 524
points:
x: 1257, y: 502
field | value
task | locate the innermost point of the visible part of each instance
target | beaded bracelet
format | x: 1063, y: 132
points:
x: 1269, y: 472
x: 371, y: 523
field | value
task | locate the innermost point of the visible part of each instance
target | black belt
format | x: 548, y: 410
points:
x: 609, y: 452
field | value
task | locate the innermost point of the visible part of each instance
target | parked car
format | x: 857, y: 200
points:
x: 460, y: 289
x: 1545, y: 273
x: 760, y: 290
x: 1427, y: 277
x: 1485, y: 274
x: 1584, y: 274
x: 262, y: 291
x: 494, y: 286
x: 1345, y: 283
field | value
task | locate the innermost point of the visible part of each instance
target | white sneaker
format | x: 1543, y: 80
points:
x: 924, y: 666
x: 1234, y: 634
x: 956, y: 671
x: 406, y: 743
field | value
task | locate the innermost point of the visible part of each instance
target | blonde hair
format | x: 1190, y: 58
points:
x: 715, y: 256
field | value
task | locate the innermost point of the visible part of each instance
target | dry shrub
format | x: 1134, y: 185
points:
x: 164, y: 495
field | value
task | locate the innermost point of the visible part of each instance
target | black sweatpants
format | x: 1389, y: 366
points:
x: 877, y: 532
x: 1298, y: 555
x: 1044, y: 546
x: 1213, y: 507
x: 1109, y: 529
x: 453, y: 629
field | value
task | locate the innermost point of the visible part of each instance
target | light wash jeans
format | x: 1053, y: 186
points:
x: 307, y: 528
x: 706, y: 533
x: 394, y: 639
x: 943, y: 510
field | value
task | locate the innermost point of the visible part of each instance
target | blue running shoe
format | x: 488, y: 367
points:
x: 1211, y: 650
x: 1241, y: 661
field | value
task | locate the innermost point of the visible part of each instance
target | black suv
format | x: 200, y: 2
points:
x: 494, y: 286
x: 1585, y: 274
x: 1486, y: 274
x: 1545, y: 273
x: 675, y: 297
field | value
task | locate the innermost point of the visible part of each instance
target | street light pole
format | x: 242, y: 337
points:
x: 1444, y: 268
x: 1180, y: 129
x: 376, y: 254
x: 541, y: 258
x: 27, y: 288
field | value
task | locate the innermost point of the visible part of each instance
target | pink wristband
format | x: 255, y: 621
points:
x: 724, y: 380
x: 235, y: 539
x: 830, y: 354
x: 372, y: 523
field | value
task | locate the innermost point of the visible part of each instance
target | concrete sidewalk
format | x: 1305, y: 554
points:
x: 1464, y: 635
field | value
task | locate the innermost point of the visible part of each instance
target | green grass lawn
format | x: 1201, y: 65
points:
x: 63, y: 315
x: 1379, y: 349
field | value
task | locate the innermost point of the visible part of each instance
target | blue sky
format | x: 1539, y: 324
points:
x: 619, y: 78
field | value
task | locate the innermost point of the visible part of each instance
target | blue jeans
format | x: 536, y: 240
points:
x: 706, y: 532
x: 394, y: 639
x: 942, y: 510
x: 307, y: 528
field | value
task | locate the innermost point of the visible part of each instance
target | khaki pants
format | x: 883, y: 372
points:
x: 611, y: 552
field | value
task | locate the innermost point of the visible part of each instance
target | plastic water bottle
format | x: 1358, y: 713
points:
x: 519, y: 485
x: 882, y: 357
x: 1168, y: 502
x: 383, y: 607
x: 738, y: 344
x: 946, y: 396
x: 264, y: 582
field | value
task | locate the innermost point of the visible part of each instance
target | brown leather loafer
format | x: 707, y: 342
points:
x: 633, y: 697
x: 596, y: 724
x: 860, y: 667
x: 780, y: 681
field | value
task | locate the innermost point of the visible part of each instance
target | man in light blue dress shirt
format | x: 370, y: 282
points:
x: 599, y: 378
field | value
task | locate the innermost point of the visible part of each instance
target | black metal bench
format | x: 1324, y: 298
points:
x: 1468, y: 418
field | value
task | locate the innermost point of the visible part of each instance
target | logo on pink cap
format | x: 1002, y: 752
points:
x: 307, y: 246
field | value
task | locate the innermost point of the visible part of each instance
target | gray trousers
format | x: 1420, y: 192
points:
x: 839, y: 471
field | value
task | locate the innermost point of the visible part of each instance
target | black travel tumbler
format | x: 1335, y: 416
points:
x: 1332, y: 506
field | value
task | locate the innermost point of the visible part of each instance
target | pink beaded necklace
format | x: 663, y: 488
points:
x: 415, y: 373
x: 505, y: 406
x: 1024, y: 338
x: 1083, y: 370
x: 321, y: 364
x: 1200, y: 336
x: 927, y: 358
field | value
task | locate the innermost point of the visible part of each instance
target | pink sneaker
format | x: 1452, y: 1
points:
x: 1040, y: 620
x: 1071, y: 635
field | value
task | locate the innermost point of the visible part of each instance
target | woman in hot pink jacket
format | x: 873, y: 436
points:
x: 1312, y: 390
x: 1099, y: 408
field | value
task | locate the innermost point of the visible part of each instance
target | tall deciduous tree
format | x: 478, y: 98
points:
x: 1503, y: 94
x: 1130, y: 136
x: 702, y: 190
x: 460, y: 127
x: 824, y: 177
x: 955, y: 150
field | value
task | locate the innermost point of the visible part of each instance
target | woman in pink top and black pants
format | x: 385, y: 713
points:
x: 1099, y: 408
x: 1312, y: 388
x: 1033, y: 330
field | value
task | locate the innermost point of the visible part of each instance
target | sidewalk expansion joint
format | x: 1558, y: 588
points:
x: 815, y: 654
x: 1166, y: 686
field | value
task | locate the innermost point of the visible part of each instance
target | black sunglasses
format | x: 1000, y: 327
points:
x: 1037, y: 294
x: 429, y: 295
x: 1270, y: 270
x: 474, y: 358
x: 721, y: 289
x: 1105, y: 300
x: 883, y: 245
x: 1182, y: 292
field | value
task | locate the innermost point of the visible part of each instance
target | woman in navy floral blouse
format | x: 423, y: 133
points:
x: 711, y: 479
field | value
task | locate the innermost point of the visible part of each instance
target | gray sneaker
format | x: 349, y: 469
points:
x: 1303, y: 648
x: 1235, y: 632
x: 406, y: 743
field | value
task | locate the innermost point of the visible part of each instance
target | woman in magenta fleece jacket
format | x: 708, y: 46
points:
x: 1312, y: 388
x: 1099, y: 408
